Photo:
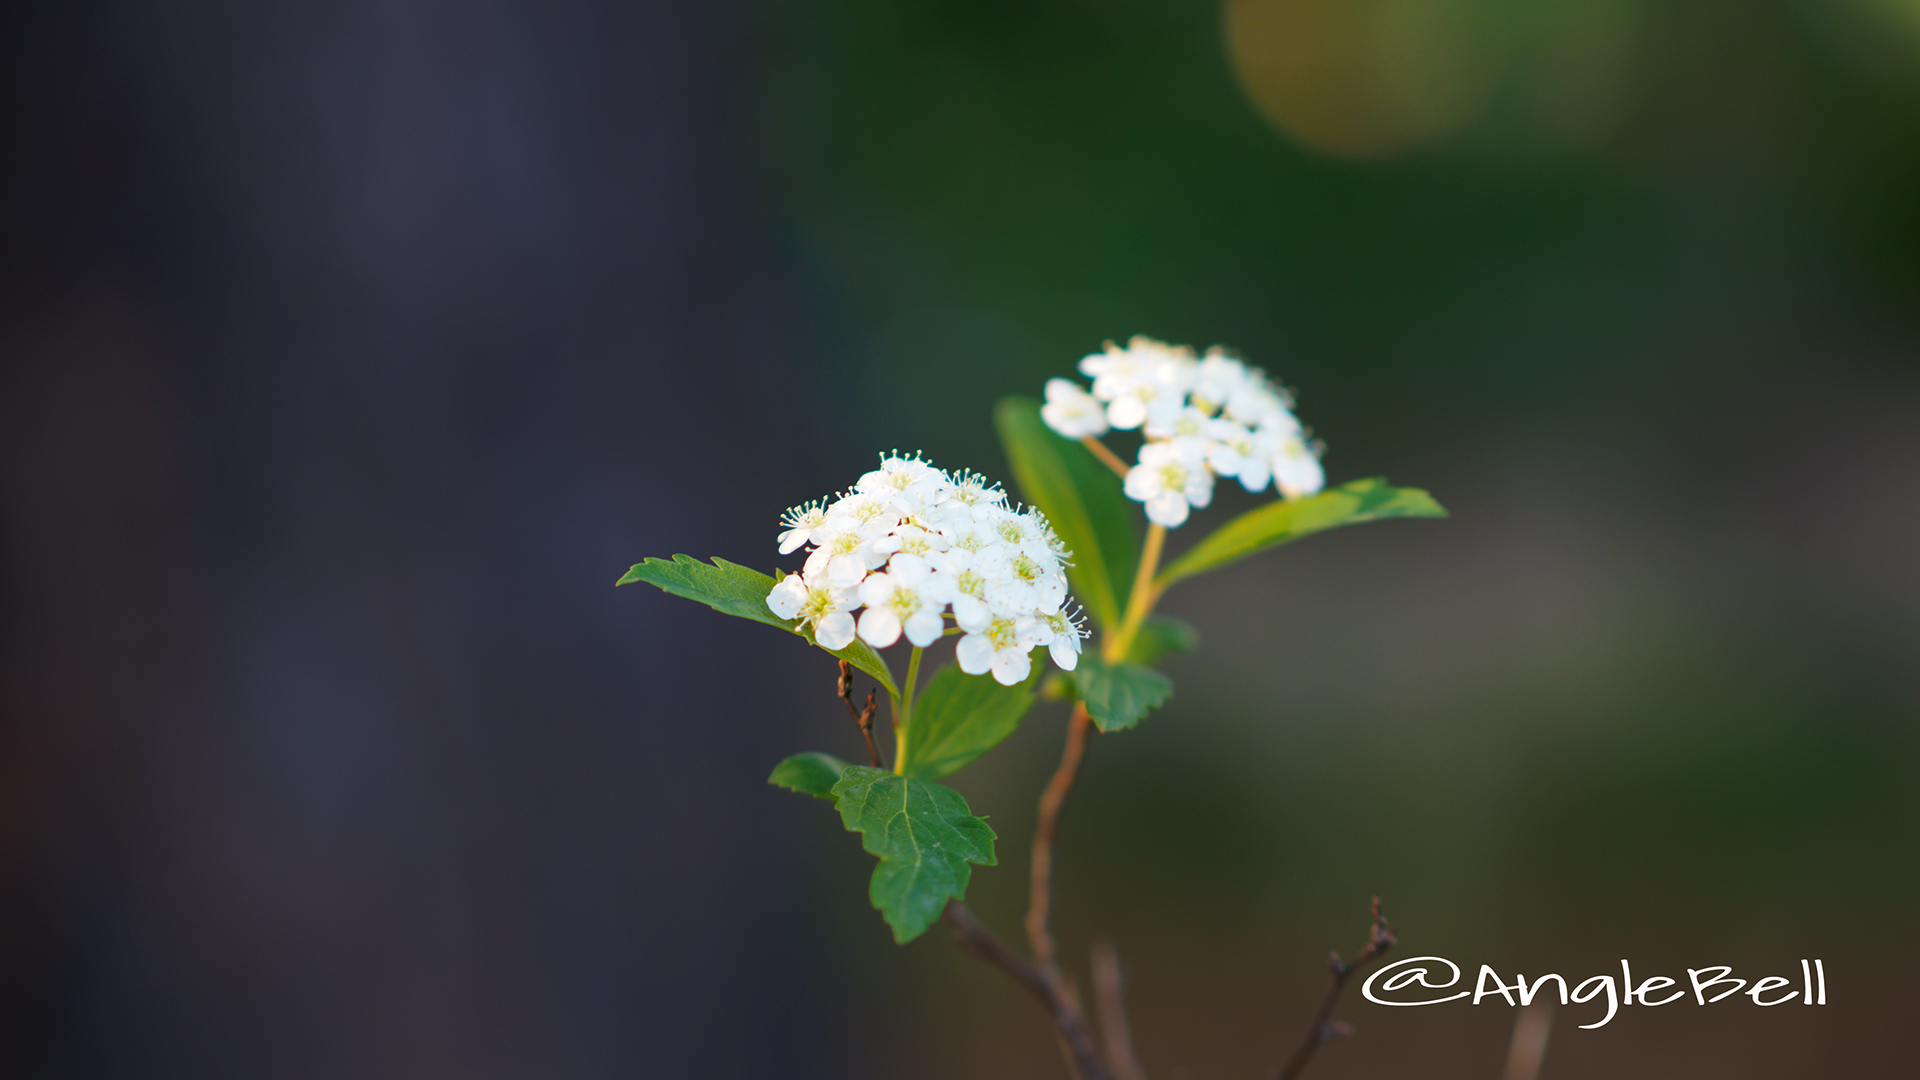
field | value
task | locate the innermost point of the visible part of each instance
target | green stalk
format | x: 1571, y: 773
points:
x: 1141, y: 600
x: 903, y: 715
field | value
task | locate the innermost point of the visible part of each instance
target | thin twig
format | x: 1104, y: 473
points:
x: 1067, y: 1019
x: 1040, y: 890
x: 1379, y: 939
x: 1107, y: 457
x: 865, y: 720
x: 862, y: 717
x: 1109, y: 984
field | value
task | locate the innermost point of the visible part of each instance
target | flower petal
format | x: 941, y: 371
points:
x: 1168, y: 509
x: 788, y: 597
x: 1065, y: 651
x: 834, y: 631
x: 879, y: 627
x: 971, y: 614
x: 846, y: 571
x: 924, y: 627
x: 974, y: 653
x: 1011, y: 666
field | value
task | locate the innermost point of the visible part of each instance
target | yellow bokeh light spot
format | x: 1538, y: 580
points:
x: 1365, y: 78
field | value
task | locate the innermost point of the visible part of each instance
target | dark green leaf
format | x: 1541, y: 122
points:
x: 1118, y: 695
x: 739, y: 590
x: 924, y: 835
x: 1083, y: 500
x: 961, y: 716
x: 1279, y: 522
x: 812, y: 773
x: 1160, y: 635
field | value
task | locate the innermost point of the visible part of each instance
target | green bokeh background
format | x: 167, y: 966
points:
x: 1651, y: 691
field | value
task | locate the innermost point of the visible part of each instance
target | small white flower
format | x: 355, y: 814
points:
x: 1071, y: 411
x: 1001, y: 647
x: 977, y: 545
x: 1067, y: 635
x: 1147, y: 376
x: 1170, y: 478
x: 1171, y: 367
x: 911, y: 540
x: 1234, y: 451
x: 1115, y: 371
x: 908, y: 485
x: 969, y: 576
x: 894, y: 606
x: 1130, y: 411
x: 834, y: 631
x: 970, y: 489
x: 800, y: 522
x: 858, y: 509
x: 1172, y: 424
x: 1254, y: 400
x: 1296, y: 467
x: 1034, y: 581
x: 825, y: 609
x: 845, y: 555
x: 1215, y: 380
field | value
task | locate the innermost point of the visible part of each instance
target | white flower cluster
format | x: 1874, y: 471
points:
x: 1202, y: 416
x: 910, y: 541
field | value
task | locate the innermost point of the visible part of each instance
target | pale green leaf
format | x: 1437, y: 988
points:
x: 1118, y: 695
x: 812, y: 773
x: 1083, y: 500
x: 961, y: 716
x: 1290, y: 519
x: 924, y: 835
x: 739, y: 590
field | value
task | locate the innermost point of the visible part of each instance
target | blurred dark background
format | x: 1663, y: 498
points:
x: 352, y: 351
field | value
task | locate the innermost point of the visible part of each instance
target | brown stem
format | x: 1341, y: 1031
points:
x: 1379, y: 940
x: 1072, y: 1026
x: 1107, y: 457
x: 862, y: 717
x: 1108, y: 986
x: 865, y: 720
x: 1040, y: 892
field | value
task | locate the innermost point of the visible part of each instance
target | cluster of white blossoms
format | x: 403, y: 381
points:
x: 1202, y: 417
x: 910, y: 542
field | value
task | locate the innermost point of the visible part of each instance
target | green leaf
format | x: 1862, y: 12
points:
x: 1118, y: 695
x: 924, y: 835
x: 1160, y: 635
x: 739, y: 590
x: 961, y: 716
x: 725, y: 587
x: 1083, y: 500
x: 1279, y: 522
x: 812, y: 773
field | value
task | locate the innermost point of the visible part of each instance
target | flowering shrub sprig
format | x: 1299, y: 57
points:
x: 910, y: 548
